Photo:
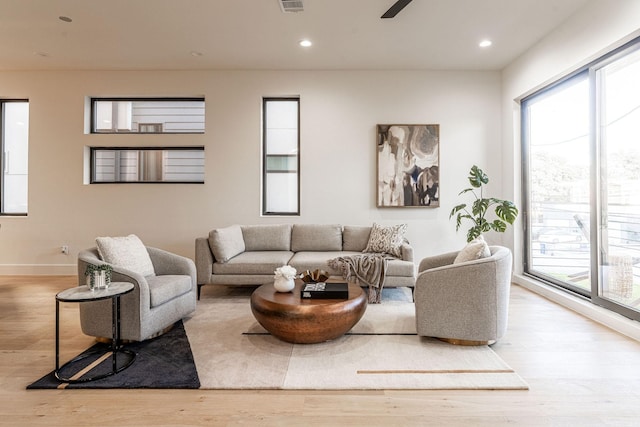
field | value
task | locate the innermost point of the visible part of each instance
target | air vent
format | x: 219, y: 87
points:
x: 291, y: 5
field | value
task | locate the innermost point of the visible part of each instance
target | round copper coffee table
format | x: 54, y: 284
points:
x: 306, y: 321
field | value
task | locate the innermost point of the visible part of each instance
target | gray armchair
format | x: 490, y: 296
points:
x: 464, y: 303
x: 157, y: 301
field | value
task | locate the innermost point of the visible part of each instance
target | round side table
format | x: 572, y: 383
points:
x: 80, y: 294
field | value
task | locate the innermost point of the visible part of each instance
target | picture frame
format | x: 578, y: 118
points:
x: 408, y: 165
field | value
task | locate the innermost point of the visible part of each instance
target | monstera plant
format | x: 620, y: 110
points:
x: 506, y: 211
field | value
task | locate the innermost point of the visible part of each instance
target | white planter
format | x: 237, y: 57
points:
x: 282, y: 284
x: 99, y: 280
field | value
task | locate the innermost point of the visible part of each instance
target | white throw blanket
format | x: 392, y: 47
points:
x: 368, y: 268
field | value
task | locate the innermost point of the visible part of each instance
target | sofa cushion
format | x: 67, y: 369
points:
x: 475, y: 249
x: 355, y: 238
x: 254, y: 262
x: 126, y: 252
x: 398, y: 267
x: 387, y: 240
x: 316, y: 237
x: 226, y: 242
x: 269, y: 237
x: 168, y: 287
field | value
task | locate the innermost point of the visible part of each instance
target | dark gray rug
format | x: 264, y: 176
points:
x: 162, y: 362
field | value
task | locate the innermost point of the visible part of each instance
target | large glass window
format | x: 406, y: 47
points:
x: 558, y: 211
x: 14, y: 157
x: 618, y: 114
x: 281, y: 159
x: 142, y: 115
x: 582, y: 185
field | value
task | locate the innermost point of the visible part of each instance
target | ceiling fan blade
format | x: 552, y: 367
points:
x: 395, y: 9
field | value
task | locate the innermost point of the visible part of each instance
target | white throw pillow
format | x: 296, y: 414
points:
x: 475, y: 249
x: 386, y: 240
x: 126, y: 252
x: 226, y: 242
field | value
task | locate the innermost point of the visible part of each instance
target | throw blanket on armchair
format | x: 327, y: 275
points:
x: 368, y: 268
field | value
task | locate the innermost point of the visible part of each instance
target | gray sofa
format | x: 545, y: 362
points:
x: 249, y: 254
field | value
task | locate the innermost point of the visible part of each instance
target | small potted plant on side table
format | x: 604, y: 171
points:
x: 98, y: 276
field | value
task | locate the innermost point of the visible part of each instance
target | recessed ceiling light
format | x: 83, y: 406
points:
x: 485, y: 43
x: 65, y: 18
x: 305, y: 43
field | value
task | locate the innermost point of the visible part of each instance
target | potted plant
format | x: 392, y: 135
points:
x: 99, y: 276
x: 505, y: 210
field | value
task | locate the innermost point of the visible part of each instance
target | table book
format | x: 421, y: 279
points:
x: 322, y: 290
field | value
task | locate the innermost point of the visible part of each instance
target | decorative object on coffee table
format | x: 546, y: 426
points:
x: 284, y: 278
x: 322, y: 290
x: 292, y: 319
x: 314, y: 276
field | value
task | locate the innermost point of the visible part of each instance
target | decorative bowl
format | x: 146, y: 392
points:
x: 314, y: 276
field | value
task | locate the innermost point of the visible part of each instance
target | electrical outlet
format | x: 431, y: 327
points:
x: 65, y: 249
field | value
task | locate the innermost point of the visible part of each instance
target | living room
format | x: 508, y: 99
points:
x: 476, y: 109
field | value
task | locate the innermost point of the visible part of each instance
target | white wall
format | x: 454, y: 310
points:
x: 599, y: 27
x: 339, y: 113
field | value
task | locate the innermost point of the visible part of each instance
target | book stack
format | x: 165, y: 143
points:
x: 322, y: 290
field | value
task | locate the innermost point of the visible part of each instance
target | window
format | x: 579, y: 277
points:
x: 147, y: 115
x: 14, y: 157
x: 147, y: 165
x: 581, y: 186
x: 281, y: 156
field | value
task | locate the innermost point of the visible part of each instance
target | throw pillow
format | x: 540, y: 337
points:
x: 126, y: 252
x: 475, y: 249
x: 386, y: 240
x: 226, y: 242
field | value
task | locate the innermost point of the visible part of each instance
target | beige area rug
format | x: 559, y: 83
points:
x: 232, y: 351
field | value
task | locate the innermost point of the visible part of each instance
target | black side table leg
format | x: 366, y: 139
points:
x: 57, y: 336
x: 115, y: 330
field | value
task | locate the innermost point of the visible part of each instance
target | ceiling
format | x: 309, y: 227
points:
x: 256, y: 34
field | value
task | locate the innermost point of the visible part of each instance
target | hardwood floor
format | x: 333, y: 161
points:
x: 579, y: 372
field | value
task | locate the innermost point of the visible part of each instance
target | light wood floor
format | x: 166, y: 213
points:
x: 580, y: 374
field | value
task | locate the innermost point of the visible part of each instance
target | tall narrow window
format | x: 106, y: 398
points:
x: 281, y: 157
x: 559, y: 159
x: 618, y: 115
x: 15, y: 157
